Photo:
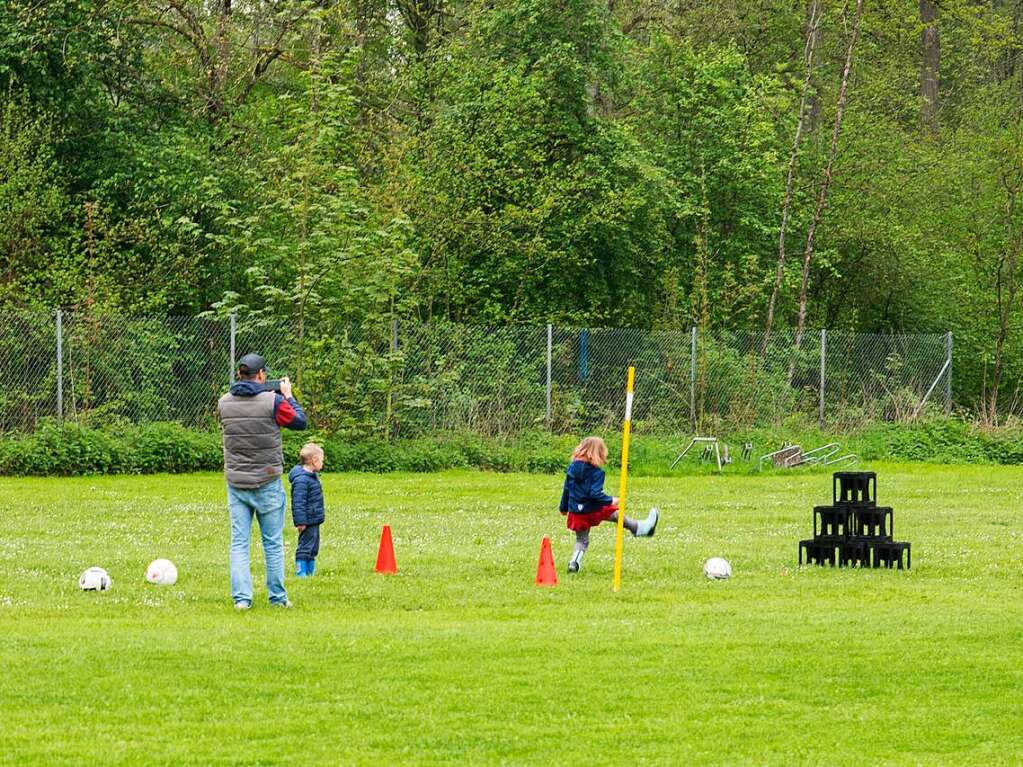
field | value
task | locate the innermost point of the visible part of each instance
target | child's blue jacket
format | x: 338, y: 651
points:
x: 584, y: 489
x: 306, y: 497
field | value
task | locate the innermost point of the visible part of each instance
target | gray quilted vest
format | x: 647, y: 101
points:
x: 252, y: 440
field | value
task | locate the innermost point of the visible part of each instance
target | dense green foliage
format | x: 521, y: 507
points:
x: 124, y: 448
x: 522, y: 161
x: 460, y: 659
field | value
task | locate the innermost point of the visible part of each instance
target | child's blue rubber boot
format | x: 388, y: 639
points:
x: 302, y: 568
x: 310, y: 567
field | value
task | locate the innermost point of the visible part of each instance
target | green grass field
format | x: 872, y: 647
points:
x: 460, y: 659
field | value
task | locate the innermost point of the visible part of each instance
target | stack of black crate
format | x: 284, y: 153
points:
x: 854, y: 530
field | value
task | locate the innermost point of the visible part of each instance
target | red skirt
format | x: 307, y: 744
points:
x: 578, y: 522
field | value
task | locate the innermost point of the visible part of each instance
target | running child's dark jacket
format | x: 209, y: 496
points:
x: 584, y: 489
x: 306, y: 497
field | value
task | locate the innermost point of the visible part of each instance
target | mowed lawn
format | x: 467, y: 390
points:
x: 460, y: 659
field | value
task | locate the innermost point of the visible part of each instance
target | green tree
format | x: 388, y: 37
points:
x: 529, y: 203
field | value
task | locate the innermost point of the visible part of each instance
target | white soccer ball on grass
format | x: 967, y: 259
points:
x: 95, y: 579
x: 162, y: 572
x: 717, y: 569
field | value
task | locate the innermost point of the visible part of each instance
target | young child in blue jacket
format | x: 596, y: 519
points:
x: 587, y: 505
x: 307, y: 507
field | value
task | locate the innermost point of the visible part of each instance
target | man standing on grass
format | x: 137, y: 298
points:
x: 252, y: 418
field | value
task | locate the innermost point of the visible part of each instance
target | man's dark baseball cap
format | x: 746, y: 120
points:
x: 251, y: 364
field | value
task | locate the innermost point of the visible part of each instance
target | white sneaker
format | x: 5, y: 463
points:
x: 283, y: 605
x: 242, y: 605
x: 648, y: 526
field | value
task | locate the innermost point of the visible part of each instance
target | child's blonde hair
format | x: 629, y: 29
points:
x: 310, y: 452
x: 592, y: 450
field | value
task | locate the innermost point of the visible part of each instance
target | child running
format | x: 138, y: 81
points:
x: 307, y: 508
x: 587, y: 505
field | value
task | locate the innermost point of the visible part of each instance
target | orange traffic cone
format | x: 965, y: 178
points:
x: 545, y: 575
x: 385, y: 556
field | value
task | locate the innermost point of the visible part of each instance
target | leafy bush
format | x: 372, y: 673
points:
x: 125, y: 448
x: 169, y: 447
x: 117, y: 448
x: 940, y: 441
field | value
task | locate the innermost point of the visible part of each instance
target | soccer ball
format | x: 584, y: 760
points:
x: 162, y: 572
x: 717, y: 569
x: 95, y: 579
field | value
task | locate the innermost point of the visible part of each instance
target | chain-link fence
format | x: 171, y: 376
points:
x: 407, y: 379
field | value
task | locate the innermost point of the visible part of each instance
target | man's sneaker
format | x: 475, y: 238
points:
x: 573, y: 566
x: 282, y: 605
x: 242, y: 605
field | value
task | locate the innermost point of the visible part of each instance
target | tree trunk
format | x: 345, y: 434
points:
x: 418, y: 16
x: 929, y: 65
x: 701, y: 307
x: 812, y: 114
x: 218, y: 69
x: 822, y: 195
x: 1006, y: 296
x: 812, y: 36
x: 311, y: 165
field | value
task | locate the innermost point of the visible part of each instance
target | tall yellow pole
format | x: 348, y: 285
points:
x: 626, y: 432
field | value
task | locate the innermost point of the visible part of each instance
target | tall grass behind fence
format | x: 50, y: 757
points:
x: 143, y: 369
x: 410, y: 379
x: 465, y: 378
x: 886, y: 377
x: 28, y: 370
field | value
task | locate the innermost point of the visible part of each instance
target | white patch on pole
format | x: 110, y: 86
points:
x: 628, y: 406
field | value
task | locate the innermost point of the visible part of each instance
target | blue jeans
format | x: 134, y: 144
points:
x: 266, y: 503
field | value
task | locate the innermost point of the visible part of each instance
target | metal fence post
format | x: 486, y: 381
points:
x: 948, y: 379
x: 60, y: 366
x: 394, y: 336
x: 692, y: 380
x: 824, y: 351
x: 233, y: 331
x: 550, y: 345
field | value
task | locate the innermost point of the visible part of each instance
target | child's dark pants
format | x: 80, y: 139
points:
x: 308, y: 543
